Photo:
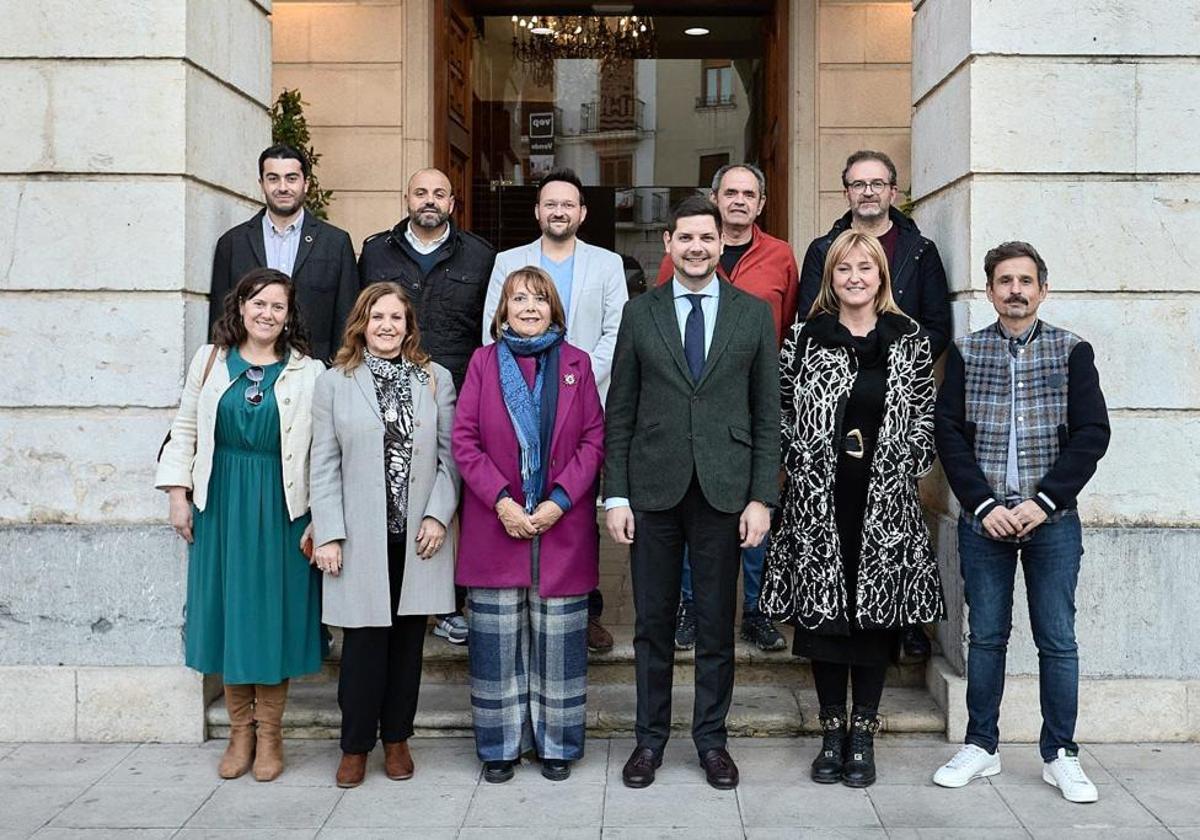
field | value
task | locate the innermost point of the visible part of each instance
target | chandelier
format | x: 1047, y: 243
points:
x: 539, y: 40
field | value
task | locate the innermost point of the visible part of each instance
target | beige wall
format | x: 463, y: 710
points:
x: 366, y: 71
x: 862, y: 81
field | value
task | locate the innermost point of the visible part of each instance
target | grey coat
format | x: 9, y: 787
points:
x: 349, y: 501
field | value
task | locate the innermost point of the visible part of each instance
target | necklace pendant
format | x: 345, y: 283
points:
x: 391, y: 415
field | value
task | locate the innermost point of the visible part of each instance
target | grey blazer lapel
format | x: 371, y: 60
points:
x: 366, y: 385
x: 729, y: 312
x: 663, y: 313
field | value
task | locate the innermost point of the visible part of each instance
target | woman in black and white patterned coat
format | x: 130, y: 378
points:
x: 851, y: 562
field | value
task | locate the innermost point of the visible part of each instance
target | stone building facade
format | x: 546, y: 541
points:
x: 127, y: 144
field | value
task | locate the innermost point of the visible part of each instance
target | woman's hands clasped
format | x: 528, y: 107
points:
x: 430, y: 537
x: 525, y: 526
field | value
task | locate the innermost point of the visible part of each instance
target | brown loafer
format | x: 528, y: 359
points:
x: 638, y: 771
x: 397, y: 761
x: 599, y: 640
x: 352, y: 769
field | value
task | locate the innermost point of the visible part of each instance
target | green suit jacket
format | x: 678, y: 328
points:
x: 661, y: 427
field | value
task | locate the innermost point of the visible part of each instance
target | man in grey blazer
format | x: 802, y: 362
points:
x: 591, y: 283
x: 692, y: 457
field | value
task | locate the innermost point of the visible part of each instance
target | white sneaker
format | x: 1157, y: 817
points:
x: 1066, y: 774
x: 970, y: 762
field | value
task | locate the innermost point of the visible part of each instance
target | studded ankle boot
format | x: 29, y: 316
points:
x: 827, y: 766
x: 858, y: 771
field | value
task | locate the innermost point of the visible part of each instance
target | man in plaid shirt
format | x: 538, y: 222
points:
x: 1020, y: 425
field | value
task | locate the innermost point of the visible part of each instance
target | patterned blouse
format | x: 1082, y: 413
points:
x: 393, y: 388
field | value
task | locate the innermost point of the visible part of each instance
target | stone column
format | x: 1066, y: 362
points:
x: 131, y: 135
x: 1066, y: 128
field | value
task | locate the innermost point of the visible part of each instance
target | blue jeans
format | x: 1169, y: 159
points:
x: 1050, y: 563
x: 752, y: 569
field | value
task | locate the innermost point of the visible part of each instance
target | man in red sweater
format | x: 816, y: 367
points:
x: 752, y: 260
x: 764, y: 266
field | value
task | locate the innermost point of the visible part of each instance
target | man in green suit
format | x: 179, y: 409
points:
x: 692, y: 439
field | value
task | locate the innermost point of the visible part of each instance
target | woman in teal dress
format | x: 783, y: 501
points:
x: 239, y: 448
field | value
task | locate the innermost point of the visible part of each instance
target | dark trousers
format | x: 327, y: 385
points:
x: 381, y: 671
x: 830, y: 679
x: 1050, y: 560
x: 656, y: 563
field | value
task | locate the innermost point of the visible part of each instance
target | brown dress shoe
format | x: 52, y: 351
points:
x: 599, y: 640
x: 351, y: 770
x: 397, y: 761
x: 639, y: 769
x: 719, y: 769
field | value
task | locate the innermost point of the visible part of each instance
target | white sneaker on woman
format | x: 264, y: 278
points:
x: 970, y: 762
x: 1066, y: 774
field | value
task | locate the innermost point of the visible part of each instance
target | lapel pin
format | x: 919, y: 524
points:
x: 569, y: 379
x: 308, y: 238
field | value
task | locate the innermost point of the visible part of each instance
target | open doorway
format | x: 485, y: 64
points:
x: 642, y: 128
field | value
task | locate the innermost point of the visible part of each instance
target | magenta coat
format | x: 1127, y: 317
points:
x: 489, y: 461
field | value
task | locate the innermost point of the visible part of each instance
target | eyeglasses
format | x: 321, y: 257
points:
x: 877, y: 186
x: 254, y: 394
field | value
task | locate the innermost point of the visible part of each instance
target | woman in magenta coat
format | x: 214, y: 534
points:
x: 529, y: 442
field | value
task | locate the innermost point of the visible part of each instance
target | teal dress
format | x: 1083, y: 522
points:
x: 253, y: 600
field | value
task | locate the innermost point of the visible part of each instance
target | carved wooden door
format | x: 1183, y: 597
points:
x: 453, y: 107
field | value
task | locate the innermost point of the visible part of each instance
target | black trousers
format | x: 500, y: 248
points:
x: 656, y: 563
x: 381, y: 671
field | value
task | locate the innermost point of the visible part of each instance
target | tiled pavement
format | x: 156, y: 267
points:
x: 61, y: 791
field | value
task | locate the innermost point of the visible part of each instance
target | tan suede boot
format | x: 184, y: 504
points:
x: 270, y: 701
x: 239, y: 700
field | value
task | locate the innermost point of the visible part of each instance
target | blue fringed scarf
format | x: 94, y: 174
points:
x: 524, y: 404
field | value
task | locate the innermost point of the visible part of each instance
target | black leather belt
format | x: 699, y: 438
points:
x: 856, y: 444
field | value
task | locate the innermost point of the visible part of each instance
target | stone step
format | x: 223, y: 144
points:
x: 757, y: 710
x: 447, y: 663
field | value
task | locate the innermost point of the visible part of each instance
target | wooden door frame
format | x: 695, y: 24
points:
x: 441, y: 104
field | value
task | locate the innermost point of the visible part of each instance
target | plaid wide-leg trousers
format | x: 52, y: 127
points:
x: 528, y: 661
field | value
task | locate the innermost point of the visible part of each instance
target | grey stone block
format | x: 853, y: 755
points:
x: 802, y: 803
x: 538, y: 803
x: 29, y: 807
x: 52, y: 833
x: 91, y: 595
x: 68, y: 765
x: 134, y: 806
x: 245, y: 833
x: 418, y: 808
x: 169, y: 764
x: 266, y: 807
x: 1044, y: 807
x: 910, y: 806
x: 698, y: 807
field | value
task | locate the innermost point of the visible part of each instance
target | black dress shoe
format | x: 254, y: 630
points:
x: 497, y: 771
x: 639, y: 769
x: 719, y: 769
x: 556, y: 769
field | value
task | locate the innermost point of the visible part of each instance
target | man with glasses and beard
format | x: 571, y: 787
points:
x: 918, y: 278
x: 591, y: 283
x: 444, y: 269
x: 316, y: 255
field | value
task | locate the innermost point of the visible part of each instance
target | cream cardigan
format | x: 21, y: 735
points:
x: 187, y: 458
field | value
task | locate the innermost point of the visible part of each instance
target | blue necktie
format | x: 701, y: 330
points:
x: 693, y: 338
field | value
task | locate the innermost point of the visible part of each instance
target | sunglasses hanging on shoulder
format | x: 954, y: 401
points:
x: 254, y: 394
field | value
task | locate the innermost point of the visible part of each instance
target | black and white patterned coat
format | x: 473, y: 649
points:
x: 804, y: 578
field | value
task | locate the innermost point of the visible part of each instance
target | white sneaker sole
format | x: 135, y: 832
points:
x: 994, y: 770
x: 437, y: 631
x: 1087, y: 799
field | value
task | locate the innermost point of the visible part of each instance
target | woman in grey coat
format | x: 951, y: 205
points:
x: 384, y: 492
